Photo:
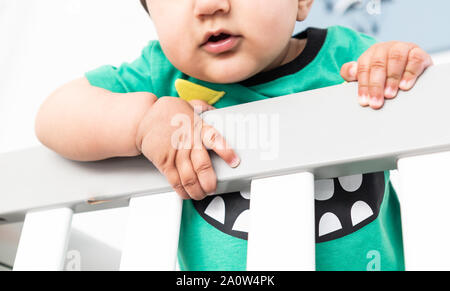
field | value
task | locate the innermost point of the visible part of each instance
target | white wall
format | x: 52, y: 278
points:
x: 45, y: 43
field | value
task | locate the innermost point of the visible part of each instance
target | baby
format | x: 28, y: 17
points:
x: 219, y: 53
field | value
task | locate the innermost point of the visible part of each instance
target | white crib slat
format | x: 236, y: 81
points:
x: 44, y: 240
x: 282, y: 234
x: 151, y: 242
x: 425, y: 206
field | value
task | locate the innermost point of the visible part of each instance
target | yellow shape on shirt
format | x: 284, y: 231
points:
x: 189, y: 91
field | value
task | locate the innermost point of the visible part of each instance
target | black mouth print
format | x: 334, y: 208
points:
x: 347, y: 204
x: 342, y: 206
x: 228, y: 213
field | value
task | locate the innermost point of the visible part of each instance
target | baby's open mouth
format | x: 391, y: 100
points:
x: 220, y: 42
x: 219, y: 37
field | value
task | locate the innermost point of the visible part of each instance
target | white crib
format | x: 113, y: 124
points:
x: 319, y: 134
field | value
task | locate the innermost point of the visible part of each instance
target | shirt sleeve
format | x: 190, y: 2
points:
x: 129, y: 77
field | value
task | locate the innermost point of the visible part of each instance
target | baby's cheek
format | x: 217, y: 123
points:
x: 176, y: 52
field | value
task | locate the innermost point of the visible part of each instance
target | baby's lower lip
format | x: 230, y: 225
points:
x: 222, y: 45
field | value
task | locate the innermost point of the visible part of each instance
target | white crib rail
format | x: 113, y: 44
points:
x: 282, y: 240
x: 149, y: 226
x: 44, y: 240
x: 425, y: 201
x: 321, y: 133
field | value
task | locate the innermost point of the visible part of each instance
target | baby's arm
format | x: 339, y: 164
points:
x: 86, y: 123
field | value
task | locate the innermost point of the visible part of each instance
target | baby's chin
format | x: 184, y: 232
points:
x: 234, y: 74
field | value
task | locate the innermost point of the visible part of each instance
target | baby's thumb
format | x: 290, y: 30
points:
x: 200, y: 106
x: 349, y: 71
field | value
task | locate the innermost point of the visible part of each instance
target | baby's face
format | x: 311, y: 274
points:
x: 225, y: 41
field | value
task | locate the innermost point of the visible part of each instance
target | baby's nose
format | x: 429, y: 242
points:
x: 204, y: 8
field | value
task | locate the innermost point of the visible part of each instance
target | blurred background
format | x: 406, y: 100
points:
x: 423, y: 22
x: 46, y: 43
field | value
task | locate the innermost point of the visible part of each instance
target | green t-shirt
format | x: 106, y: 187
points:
x: 358, y: 223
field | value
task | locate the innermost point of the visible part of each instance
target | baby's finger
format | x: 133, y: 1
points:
x: 204, y: 170
x: 349, y: 71
x: 397, y: 59
x: 174, y: 180
x: 377, y: 79
x: 418, y: 61
x: 213, y: 140
x: 188, y: 176
x: 364, y: 77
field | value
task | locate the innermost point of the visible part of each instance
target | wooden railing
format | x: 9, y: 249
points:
x: 307, y: 136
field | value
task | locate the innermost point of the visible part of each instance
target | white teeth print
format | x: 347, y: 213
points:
x: 324, y: 189
x: 351, y: 183
x: 329, y: 223
x: 216, y: 209
x: 360, y: 212
x: 245, y: 194
x: 242, y: 223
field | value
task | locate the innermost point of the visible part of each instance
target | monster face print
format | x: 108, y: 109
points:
x: 343, y: 205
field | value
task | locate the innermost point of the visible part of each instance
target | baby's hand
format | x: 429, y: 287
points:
x: 384, y: 69
x: 175, y: 139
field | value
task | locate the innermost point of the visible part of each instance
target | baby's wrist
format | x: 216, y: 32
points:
x: 141, y: 125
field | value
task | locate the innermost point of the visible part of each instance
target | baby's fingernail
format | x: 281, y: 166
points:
x: 403, y: 84
x: 390, y: 93
x: 363, y: 100
x: 406, y: 85
x: 235, y: 162
x: 375, y: 102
